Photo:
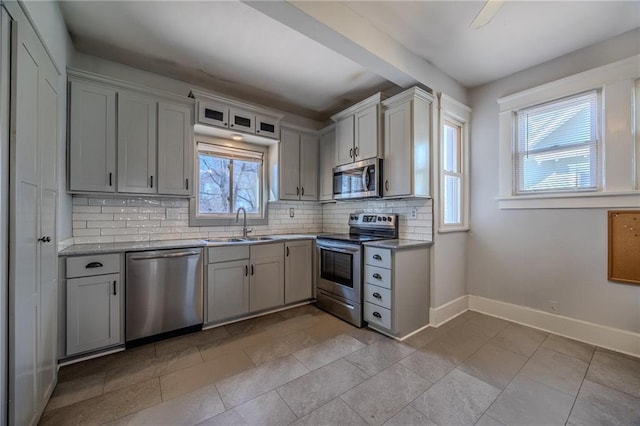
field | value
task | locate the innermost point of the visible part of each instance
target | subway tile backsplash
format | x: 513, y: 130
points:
x: 129, y: 219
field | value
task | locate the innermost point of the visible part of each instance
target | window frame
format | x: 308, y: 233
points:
x: 619, y: 185
x: 454, y: 112
x: 596, y: 174
x: 224, y: 219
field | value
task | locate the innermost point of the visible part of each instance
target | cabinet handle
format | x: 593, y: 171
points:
x: 377, y: 295
x: 187, y: 183
x: 377, y: 257
x: 351, y: 153
x: 114, y: 288
x: 355, y: 152
x: 377, y: 315
x: 386, y: 185
x: 44, y: 239
x: 94, y: 265
x: 297, y: 190
x: 377, y: 276
x: 287, y: 251
x: 251, y: 270
x: 246, y: 270
x: 302, y: 191
x: 152, y: 181
x: 110, y: 179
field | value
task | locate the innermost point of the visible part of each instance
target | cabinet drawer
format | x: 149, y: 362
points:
x: 224, y: 254
x: 377, y: 276
x: 85, y: 266
x: 264, y: 251
x: 377, y: 257
x: 377, y: 295
x: 375, y: 315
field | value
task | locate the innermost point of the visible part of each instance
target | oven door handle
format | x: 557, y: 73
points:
x: 338, y: 248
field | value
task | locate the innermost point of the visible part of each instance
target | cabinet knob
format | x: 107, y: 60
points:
x: 377, y: 276
x: 377, y: 315
x: 377, y: 257
x: 377, y: 295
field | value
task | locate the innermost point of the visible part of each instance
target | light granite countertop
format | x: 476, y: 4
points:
x: 83, y: 249
x: 399, y: 244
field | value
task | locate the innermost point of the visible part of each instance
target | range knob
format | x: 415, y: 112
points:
x: 390, y: 219
x: 379, y: 219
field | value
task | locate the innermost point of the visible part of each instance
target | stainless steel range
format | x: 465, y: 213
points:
x: 339, y: 288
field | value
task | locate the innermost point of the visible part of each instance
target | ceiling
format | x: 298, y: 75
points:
x: 234, y: 49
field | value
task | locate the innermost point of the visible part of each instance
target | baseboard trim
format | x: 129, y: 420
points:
x: 599, y: 335
x: 445, y: 313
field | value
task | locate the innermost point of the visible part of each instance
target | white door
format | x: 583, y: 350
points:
x: 227, y: 290
x: 175, y: 149
x: 32, y: 327
x: 366, y: 133
x: 327, y: 163
x: 398, y: 169
x: 344, y: 141
x: 289, y: 165
x: 297, y: 271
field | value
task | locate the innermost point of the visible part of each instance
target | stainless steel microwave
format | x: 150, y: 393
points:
x: 358, y: 180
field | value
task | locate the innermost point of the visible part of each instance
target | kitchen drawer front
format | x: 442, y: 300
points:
x: 377, y: 276
x: 377, y: 257
x: 263, y: 251
x: 377, y: 295
x: 375, y: 315
x: 224, y: 254
x: 86, y: 266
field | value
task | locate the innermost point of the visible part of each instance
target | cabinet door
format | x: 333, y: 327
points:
x: 227, y: 290
x: 289, y: 167
x: 137, y: 118
x: 366, y: 133
x: 213, y: 113
x: 397, y: 151
x: 308, y: 167
x: 93, y: 312
x: 267, y: 126
x: 344, y: 141
x: 175, y: 149
x: 92, y: 138
x: 241, y: 120
x: 266, y: 284
x: 297, y: 271
x: 327, y: 163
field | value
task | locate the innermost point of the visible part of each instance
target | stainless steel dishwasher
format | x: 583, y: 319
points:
x: 164, y: 292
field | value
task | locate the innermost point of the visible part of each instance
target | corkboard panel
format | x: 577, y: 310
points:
x: 624, y: 246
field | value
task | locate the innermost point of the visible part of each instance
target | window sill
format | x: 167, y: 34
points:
x: 452, y: 229
x: 582, y: 200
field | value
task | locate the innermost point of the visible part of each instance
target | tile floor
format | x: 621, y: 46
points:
x: 304, y: 366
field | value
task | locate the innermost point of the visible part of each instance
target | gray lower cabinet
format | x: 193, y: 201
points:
x: 266, y: 285
x: 93, y: 312
x: 298, y: 269
x: 227, y: 289
x: 396, y: 289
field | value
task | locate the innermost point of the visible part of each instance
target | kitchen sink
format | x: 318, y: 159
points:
x: 263, y: 238
x: 237, y: 239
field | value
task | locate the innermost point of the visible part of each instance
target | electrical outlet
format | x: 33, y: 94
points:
x: 414, y: 213
x: 553, y: 305
x: 291, y: 212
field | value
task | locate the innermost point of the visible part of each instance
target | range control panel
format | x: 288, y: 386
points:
x: 373, y: 219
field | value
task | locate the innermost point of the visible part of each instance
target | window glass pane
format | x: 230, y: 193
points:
x: 213, y: 191
x: 557, y: 145
x: 452, y: 200
x: 246, y: 185
x: 450, y: 148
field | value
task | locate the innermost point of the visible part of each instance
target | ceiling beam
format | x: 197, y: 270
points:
x: 339, y: 28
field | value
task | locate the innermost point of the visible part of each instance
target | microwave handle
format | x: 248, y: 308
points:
x: 365, y: 178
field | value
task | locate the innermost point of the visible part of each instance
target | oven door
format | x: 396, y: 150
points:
x: 340, y: 269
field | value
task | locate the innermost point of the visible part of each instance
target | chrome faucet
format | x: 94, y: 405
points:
x: 245, y: 231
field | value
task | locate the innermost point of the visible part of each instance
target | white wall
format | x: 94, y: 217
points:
x: 528, y: 257
x: 50, y: 27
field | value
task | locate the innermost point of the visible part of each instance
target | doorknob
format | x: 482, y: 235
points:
x: 44, y: 239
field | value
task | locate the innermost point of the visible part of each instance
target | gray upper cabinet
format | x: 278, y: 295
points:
x: 358, y: 131
x: 407, y: 144
x: 344, y: 140
x: 152, y: 134
x: 297, y: 271
x: 175, y: 149
x: 298, y: 167
x: 137, y: 143
x: 327, y: 163
x: 92, y: 138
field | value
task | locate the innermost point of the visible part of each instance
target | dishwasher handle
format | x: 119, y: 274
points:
x: 166, y: 256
